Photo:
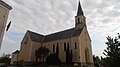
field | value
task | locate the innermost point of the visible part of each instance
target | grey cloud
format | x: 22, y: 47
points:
x: 106, y: 20
x: 39, y: 14
x: 20, y: 2
x: 113, y: 13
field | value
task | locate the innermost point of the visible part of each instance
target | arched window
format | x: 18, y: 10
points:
x: 53, y: 48
x: 75, y: 46
x: 78, y: 20
x: 64, y: 46
x: 87, y: 55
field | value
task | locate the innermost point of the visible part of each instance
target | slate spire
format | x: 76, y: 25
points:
x: 79, y: 12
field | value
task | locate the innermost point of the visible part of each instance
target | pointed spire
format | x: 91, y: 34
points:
x: 79, y: 12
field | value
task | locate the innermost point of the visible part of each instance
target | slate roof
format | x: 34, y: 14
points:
x: 62, y: 35
x: 35, y: 36
x: 55, y: 36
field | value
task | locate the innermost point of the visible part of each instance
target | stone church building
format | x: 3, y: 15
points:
x: 76, y: 38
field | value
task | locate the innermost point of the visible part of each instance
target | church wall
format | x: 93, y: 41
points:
x: 75, y: 49
x: 62, y: 52
x: 61, y: 48
x: 85, y: 42
x: 25, y: 48
x: 14, y: 58
x: 35, y: 45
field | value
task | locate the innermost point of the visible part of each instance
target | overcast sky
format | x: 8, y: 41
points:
x: 48, y: 16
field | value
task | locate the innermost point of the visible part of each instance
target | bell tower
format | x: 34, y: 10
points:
x: 79, y: 18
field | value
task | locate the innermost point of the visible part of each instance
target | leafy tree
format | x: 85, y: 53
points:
x: 5, y: 58
x: 41, y: 53
x: 112, y: 51
x: 99, y: 62
x: 96, y: 60
x: 103, y: 62
x: 53, y: 59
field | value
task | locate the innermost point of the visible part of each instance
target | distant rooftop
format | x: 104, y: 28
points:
x: 5, y: 4
x: 16, y: 52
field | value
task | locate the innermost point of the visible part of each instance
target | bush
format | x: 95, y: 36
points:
x: 53, y: 59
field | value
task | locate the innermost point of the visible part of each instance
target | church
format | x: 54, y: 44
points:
x: 77, y: 39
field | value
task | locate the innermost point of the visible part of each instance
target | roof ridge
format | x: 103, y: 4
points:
x: 68, y: 33
x: 59, y: 31
x: 15, y: 52
x: 35, y: 33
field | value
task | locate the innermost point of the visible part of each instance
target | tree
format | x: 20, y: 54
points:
x: 71, y: 56
x: 57, y: 50
x: 96, y: 60
x: 103, y: 62
x: 112, y: 51
x: 67, y: 53
x: 53, y: 59
x: 99, y: 62
x: 41, y: 53
x: 5, y: 58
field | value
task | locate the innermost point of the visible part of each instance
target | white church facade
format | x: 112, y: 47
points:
x: 77, y: 39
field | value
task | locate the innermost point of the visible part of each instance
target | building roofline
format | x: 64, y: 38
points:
x: 35, y: 33
x: 5, y: 5
x: 16, y: 52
